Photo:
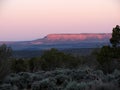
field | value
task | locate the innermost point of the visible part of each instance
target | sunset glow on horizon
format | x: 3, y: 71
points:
x: 32, y: 19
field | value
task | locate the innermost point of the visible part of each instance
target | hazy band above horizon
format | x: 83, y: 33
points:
x: 30, y: 19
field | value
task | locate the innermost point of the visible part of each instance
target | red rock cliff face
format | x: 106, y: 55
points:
x: 74, y: 37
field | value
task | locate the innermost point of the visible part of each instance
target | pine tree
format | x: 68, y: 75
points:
x: 115, y: 40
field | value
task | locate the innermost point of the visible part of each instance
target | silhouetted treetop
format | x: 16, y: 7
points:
x: 115, y: 40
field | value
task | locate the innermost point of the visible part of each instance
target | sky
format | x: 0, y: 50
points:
x: 22, y: 20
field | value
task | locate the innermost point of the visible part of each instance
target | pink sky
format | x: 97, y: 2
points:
x: 31, y: 19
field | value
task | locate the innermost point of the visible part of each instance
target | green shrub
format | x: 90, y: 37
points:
x: 18, y: 65
x: 5, y: 56
x: 53, y: 59
x: 76, y: 86
x: 106, y: 59
x: 46, y: 84
x: 34, y: 64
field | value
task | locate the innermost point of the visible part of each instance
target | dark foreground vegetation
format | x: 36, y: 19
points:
x: 63, y: 79
x: 56, y: 70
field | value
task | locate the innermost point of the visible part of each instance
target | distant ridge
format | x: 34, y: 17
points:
x: 82, y: 40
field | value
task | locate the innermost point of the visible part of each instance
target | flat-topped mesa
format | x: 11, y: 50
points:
x: 63, y: 41
x: 72, y: 37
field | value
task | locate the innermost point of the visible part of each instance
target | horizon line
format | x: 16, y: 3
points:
x: 48, y: 35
